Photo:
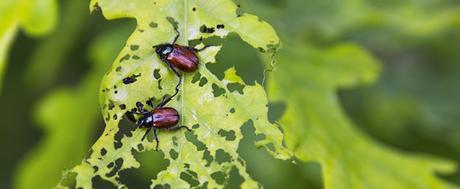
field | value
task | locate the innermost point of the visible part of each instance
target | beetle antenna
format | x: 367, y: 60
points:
x: 177, y: 36
x: 179, y: 127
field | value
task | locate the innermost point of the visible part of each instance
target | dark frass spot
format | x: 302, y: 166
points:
x: 232, y: 110
x: 194, y: 9
x: 115, y: 92
x: 131, y: 79
x: 195, y: 126
x: 262, y: 50
x: 95, y: 168
x: 140, y: 30
x: 111, y: 105
x: 205, y: 29
x: 103, y: 152
x: 134, y: 47
x: 156, y: 74
x: 122, y: 106
x: 126, y: 57
x: 220, y: 26
x: 150, y: 101
x: 116, y: 168
x: 139, y: 105
x: 153, y: 25
x: 115, y: 117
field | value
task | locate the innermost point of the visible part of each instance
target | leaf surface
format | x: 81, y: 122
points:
x: 215, y: 109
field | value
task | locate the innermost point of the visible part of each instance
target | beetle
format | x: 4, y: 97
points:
x: 159, y: 118
x: 178, y: 56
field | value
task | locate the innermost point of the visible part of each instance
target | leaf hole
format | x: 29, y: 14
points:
x: 116, y: 167
x: 228, y: 135
x: 131, y: 79
x: 217, y: 91
x: 98, y: 182
x: 194, y: 140
x: 219, y: 177
x: 207, y: 156
x: 235, y: 180
x: 222, y: 156
x: 162, y: 186
x: 189, y: 178
x: 203, y: 81
x: 235, y: 87
x: 196, y: 77
x: 173, y: 153
x: 123, y: 131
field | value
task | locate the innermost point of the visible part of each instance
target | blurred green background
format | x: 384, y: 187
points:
x: 413, y: 107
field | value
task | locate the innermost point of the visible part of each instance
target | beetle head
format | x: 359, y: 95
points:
x: 163, y: 50
x: 145, y: 121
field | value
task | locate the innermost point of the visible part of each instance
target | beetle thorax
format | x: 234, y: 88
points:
x: 164, y: 50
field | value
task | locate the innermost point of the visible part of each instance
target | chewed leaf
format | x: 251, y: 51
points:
x: 214, y: 109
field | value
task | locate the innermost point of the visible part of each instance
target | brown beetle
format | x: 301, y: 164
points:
x: 159, y: 118
x: 177, y: 56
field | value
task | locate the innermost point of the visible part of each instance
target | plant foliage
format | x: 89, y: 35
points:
x: 214, y: 109
x: 37, y: 17
x: 316, y: 128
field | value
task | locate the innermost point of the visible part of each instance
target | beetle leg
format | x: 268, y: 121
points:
x: 177, y: 36
x: 156, y: 138
x: 165, y: 101
x: 200, y: 49
x: 146, y: 132
x: 177, y: 127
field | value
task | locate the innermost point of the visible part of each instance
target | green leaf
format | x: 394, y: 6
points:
x: 317, y: 129
x: 37, y: 17
x: 68, y: 117
x: 215, y: 109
